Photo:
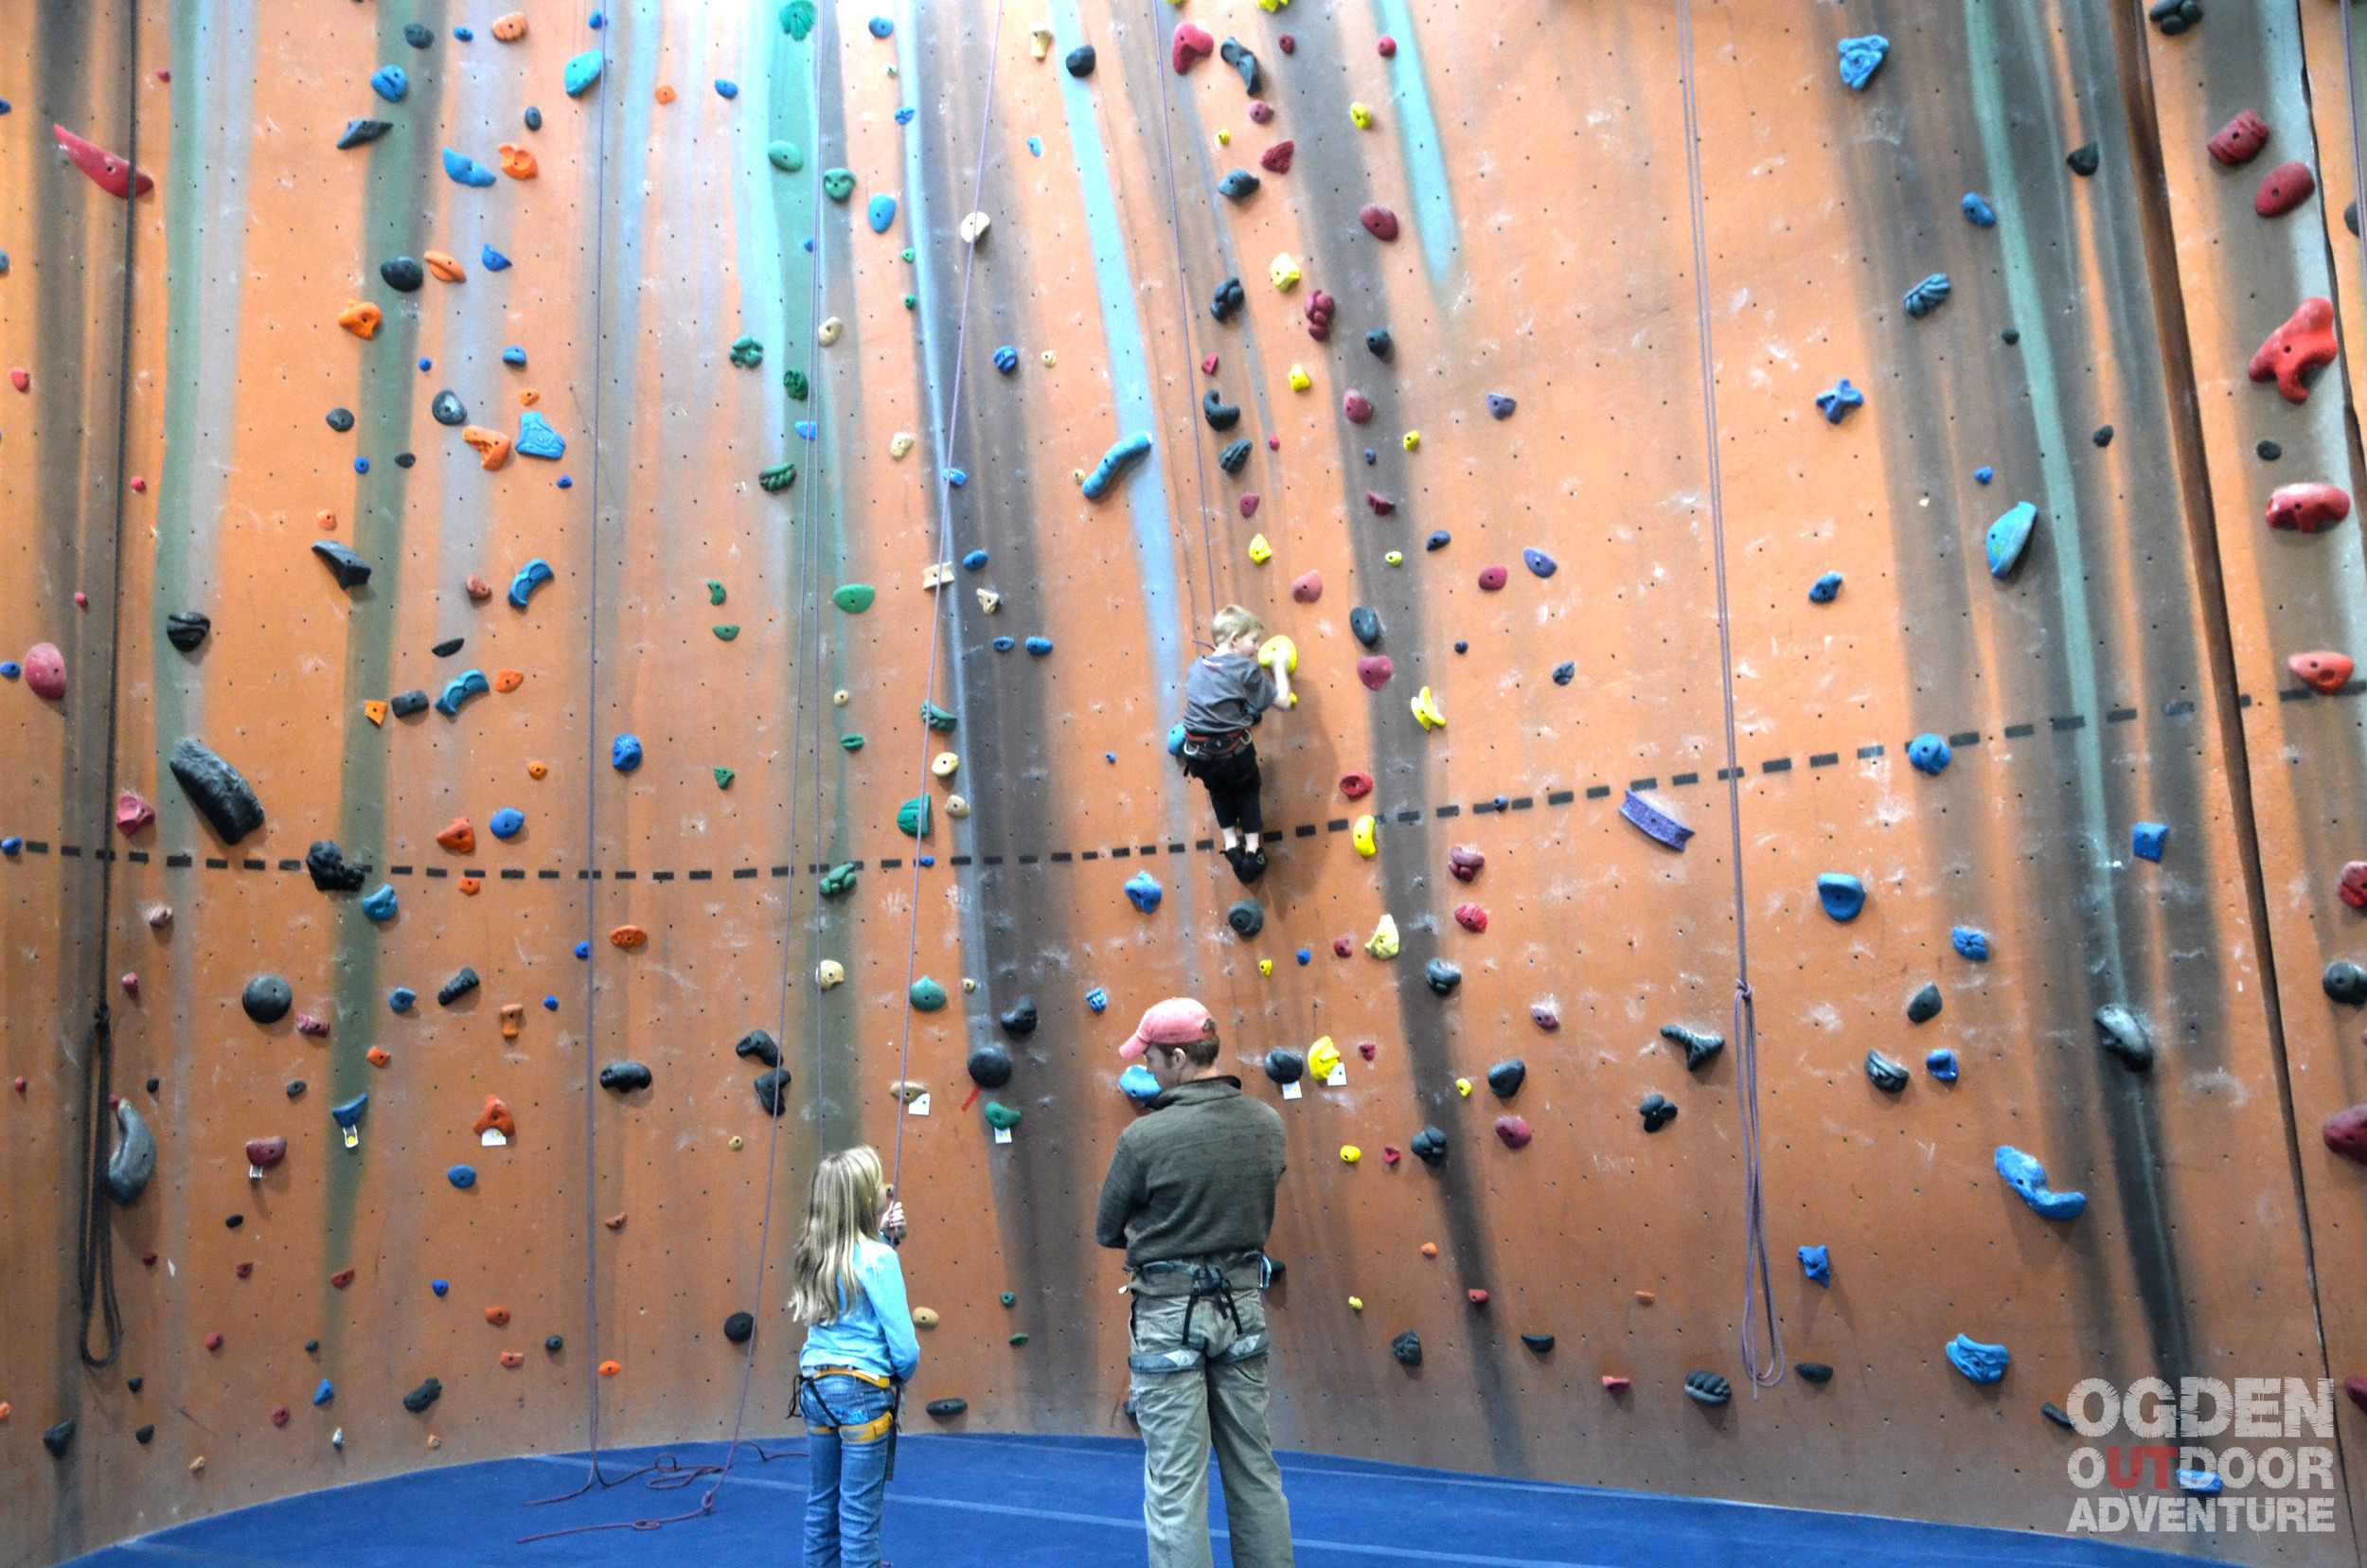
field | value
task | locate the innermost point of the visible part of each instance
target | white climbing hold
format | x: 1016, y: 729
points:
x: 955, y: 806
x: 974, y: 227
x: 944, y: 763
x: 989, y: 600
x: 828, y: 332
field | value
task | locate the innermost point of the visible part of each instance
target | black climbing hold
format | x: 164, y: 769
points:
x: 1461, y: 645
x: 1430, y: 1147
x: 457, y: 987
x: 1080, y: 64
x: 2175, y: 16
x: 186, y: 629
x: 1539, y: 1342
x: 1441, y: 976
x: 2350, y: 218
x: 404, y: 274
x: 57, y: 1437
x: 1377, y: 341
x: 1708, y: 1388
x: 1699, y: 1047
x: 404, y: 703
x: 1924, y: 1004
x: 1407, y: 1347
x: 1239, y: 185
x: 405, y: 459
x: 554, y: 1345
x: 1247, y: 919
x: 154, y: 1085
x: 351, y: 570
x: 295, y: 1087
x: 1233, y: 54
x: 740, y: 1327
x: 2103, y: 436
x: 2345, y: 982
x: 2268, y: 451
x: 133, y: 1161
x: 312, y: 1348
x: 447, y: 408
x: 1815, y: 1372
x: 624, y: 1077
x: 1285, y: 1066
x: 2055, y: 1413
x: 533, y: 118
x: 423, y: 1395
x: 1234, y: 457
x: 446, y: 649
x: 340, y: 418
x: 1657, y: 1111
x: 358, y: 132
x: 2118, y: 1032
x: 1506, y: 1078
x: 1365, y: 626
x: 233, y: 1222
x: 330, y: 874
x: 2011, y: 335
x: 989, y: 1064
x: 219, y: 791
x: 419, y: 35
x: 1219, y: 413
x: 267, y: 999
x: 1565, y: 672
x: 1887, y: 1075
x: 2084, y: 160
x: 1228, y: 298
x: 143, y: 1432
x: 1020, y: 1019
x: 942, y: 1408
x: 772, y: 1090
x: 759, y: 1044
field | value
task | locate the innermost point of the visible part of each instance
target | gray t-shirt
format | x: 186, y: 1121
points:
x: 1226, y: 692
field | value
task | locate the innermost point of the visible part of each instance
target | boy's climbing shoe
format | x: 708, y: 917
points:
x: 1251, y: 867
x: 1232, y: 857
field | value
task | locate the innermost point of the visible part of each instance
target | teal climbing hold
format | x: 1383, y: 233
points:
x: 1114, y: 463
x: 467, y: 684
x: 838, y: 881
x: 582, y: 71
x: 1983, y: 1364
x: 786, y: 157
x: 747, y: 352
x: 2009, y: 537
x: 797, y: 19
x: 1841, y: 895
x: 928, y: 996
x: 854, y: 597
x: 1928, y: 296
x: 837, y: 183
x: 536, y: 438
x: 1001, y: 1116
x: 936, y: 718
x: 1978, y: 211
x: 531, y: 576
x: 883, y: 213
x: 912, y: 818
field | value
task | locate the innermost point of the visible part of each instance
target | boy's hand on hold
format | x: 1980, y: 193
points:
x: 892, y: 1226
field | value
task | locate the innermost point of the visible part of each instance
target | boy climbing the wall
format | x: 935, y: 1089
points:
x: 1224, y: 693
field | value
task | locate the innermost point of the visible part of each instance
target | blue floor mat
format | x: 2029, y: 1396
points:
x: 989, y: 1501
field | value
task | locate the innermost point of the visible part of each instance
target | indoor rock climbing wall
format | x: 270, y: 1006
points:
x: 510, y: 385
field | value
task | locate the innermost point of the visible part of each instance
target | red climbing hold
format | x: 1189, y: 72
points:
x: 2307, y: 508
x: 1381, y: 504
x: 21, y: 378
x: 1470, y: 917
x: 2346, y: 1133
x: 1478, y: 1298
x: 1343, y: 947
x: 2283, y: 188
x: 1276, y: 159
x: 2326, y: 671
x: 2306, y: 342
x: 109, y: 172
x: 2357, y: 1389
x: 1390, y: 1154
x: 213, y: 1342
x: 1356, y: 786
x: 2240, y: 139
x: 495, y: 1118
x: 1192, y: 43
x: 1249, y: 506
x: 1289, y: 45
x: 1492, y: 579
x: 132, y: 813
x: 2352, y: 885
x: 279, y: 1417
x: 1368, y: 1048
x: 1308, y: 589
x: 1357, y: 406
x: 245, y: 1270
x: 1386, y: 47
x: 1375, y: 671
x: 44, y: 670
x: 1319, y: 306
x: 342, y: 1278
x: 1208, y: 366
x: 1379, y: 221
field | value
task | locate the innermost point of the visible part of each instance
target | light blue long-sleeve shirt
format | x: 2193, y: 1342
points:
x: 874, y: 1332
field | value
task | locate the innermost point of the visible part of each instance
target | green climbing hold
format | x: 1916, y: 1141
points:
x: 779, y: 477
x: 928, y: 996
x: 747, y: 352
x: 855, y: 598
x: 912, y: 819
x: 850, y: 742
x: 936, y: 716
x: 837, y: 183
x: 1010, y: 1300
x: 797, y: 19
x: 715, y: 592
x: 794, y: 381
x: 786, y: 157
x: 1001, y: 1116
x: 1018, y: 1339
x: 838, y: 881
x: 723, y: 777
x: 727, y: 633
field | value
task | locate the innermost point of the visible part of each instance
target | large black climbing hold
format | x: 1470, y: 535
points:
x: 2055, y: 1413
x: 1020, y: 1019
x: 1441, y: 976
x: 447, y: 408
x: 330, y: 874
x: 57, y: 1437
x: 1924, y: 1004
x: 2175, y: 16
x: 1219, y: 413
x: 267, y: 999
x: 2085, y: 160
x: 186, y: 629
x: 772, y: 1090
x: 1247, y: 919
x: 1228, y: 298
x: 943, y: 1408
x: 1365, y: 625
x: 624, y: 1077
x: 133, y: 1161
x: 1285, y: 1066
x: 351, y: 570
x: 1506, y: 1078
x: 404, y: 274
x: 1407, y: 1347
x: 340, y: 418
x: 402, y: 704
x: 1430, y: 1147
x: 1888, y: 1075
x: 1080, y: 65
x: 1539, y: 1342
x: 2118, y: 1032
x: 360, y: 132
x: 989, y: 1064
x: 457, y: 987
x: 1378, y: 340
x: 1708, y: 1388
x: 740, y: 1327
x: 1699, y: 1047
x: 1657, y: 1111
x: 1815, y: 1372
x: 2345, y: 982
x: 1239, y: 185
x: 421, y: 1398
x: 1234, y: 457
x: 221, y: 794
x: 759, y: 1044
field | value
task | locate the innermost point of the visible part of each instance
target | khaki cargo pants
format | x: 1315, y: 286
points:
x: 1199, y: 1365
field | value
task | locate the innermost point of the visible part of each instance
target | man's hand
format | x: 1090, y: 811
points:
x: 892, y: 1225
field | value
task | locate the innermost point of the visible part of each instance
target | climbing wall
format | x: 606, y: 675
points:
x: 1516, y: 484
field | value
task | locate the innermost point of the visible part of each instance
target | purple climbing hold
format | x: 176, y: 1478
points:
x: 1437, y: 541
x: 1655, y: 823
x: 1500, y: 406
x: 1540, y: 562
x: 1565, y: 672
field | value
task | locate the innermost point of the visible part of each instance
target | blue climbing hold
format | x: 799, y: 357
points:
x: 514, y: 357
x: 1983, y: 474
x: 1035, y: 145
x: 1461, y: 645
x: 881, y: 27
x: 506, y: 823
x: 1500, y: 406
x: 1983, y: 1364
x: 1860, y: 57
x: 1929, y: 754
x: 1175, y: 740
x: 1137, y: 1084
x: 1825, y: 589
x: 467, y: 684
x: 1941, y: 1064
x: 904, y: 114
x: 346, y: 1115
x: 380, y: 905
x: 550, y: 1004
x: 1113, y: 464
x: 463, y: 1177
x: 2025, y: 1175
x: 957, y: 478
x: 807, y: 428
x: 439, y: 1285
x: 883, y: 212
x: 1438, y: 539
x: 1039, y: 646
x: 582, y: 71
x: 1970, y: 942
x: 1655, y: 823
x: 1540, y: 562
x: 1979, y: 211
x: 583, y: 950
x: 389, y: 82
x: 465, y: 169
x: 401, y: 998
x: 1096, y: 999
x: 1835, y: 405
x: 12, y: 846
x: 1565, y: 671
x: 361, y: 465
x: 466, y: 35
x: 2009, y: 536
x: 624, y: 753
x: 2204, y: 1482
x: 10, y: 669
x: 2147, y: 839
x: 493, y: 260
x: 726, y: 89
x: 1006, y: 358
x: 1004, y: 645
x: 1144, y: 891
x: 1841, y: 895
x: 536, y: 438
x: 531, y: 576
x: 325, y: 1393
x: 974, y: 561
x: 565, y: 483
x: 1818, y: 1264
x: 1928, y: 296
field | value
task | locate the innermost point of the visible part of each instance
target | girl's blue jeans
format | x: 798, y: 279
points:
x: 849, y: 1477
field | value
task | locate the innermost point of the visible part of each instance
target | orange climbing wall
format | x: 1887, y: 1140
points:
x: 1535, y: 157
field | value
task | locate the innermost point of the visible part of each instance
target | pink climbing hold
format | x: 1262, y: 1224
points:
x: 1477, y: 1297
x: 1276, y: 159
x: 1381, y: 504
x: 44, y: 670
x: 1289, y: 45
x: 1368, y: 1048
x: 1492, y: 579
x: 1308, y: 589
x: 21, y: 378
x: 2357, y: 1389
x: 2346, y: 1133
x: 2305, y: 509
x: 1390, y: 1155
x: 1464, y: 862
x: 1249, y: 506
x: 1374, y: 670
x: 132, y: 813
x: 1379, y: 221
x: 1319, y: 309
x: 130, y: 985
x: 82, y: 601
x: 109, y: 172
x: 2351, y: 886
x: 1192, y: 44
x: 1614, y: 1385
x: 1343, y: 947
x: 2305, y: 343
x: 1357, y: 406
x: 1208, y: 366
x: 1514, y: 1131
x: 1545, y: 1016
x: 1260, y: 112
x: 1385, y: 46
x: 1470, y: 917
x: 316, y: 1027
x: 213, y: 1342
x: 2240, y: 139
x: 2283, y: 188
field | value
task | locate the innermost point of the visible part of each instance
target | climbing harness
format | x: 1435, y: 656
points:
x: 1197, y: 1280
x: 1201, y: 750
x: 888, y: 1424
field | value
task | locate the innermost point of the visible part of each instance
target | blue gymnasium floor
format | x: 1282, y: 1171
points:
x: 991, y: 1501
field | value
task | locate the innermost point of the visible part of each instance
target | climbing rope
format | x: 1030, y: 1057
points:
x: 1758, y: 1286
x: 1182, y: 325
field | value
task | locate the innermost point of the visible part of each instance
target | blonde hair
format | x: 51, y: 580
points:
x: 1233, y: 621
x: 849, y: 1191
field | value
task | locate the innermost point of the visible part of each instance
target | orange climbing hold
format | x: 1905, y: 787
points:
x: 444, y: 266
x: 514, y: 1359
x: 628, y: 936
x: 511, y: 27
x: 495, y: 1118
x: 537, y: 770
x: 492, y: 447
x: 2323, y: 671
x: 610, y: 1369
x: 664, y: 93
x: 378, y: 1056
x: 460, y: 838
x: 2305, y: 343
x: 360, y: 318
x: 1430, y: 1249
x: 374, y: 710
x: 513, y: 1017
x: 529, y: 396
x: 517, y: 162
x: 497, y: 1316
x: 107, y: 171
x: 327, y: 519
x: 509, y: 680
x: 479, y: 590
x: 470, y: 885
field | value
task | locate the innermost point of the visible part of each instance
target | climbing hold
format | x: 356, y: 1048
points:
x: 1983, y: 1364
x: 1815, y: 1372
x: 2009, y: 537
x: 447, y: 409
x: 463, y: 1177
x: 1361, y: 836
x: 1430, y: 1147
x: 1860, y: 57
x: 1357, y: 406
x: 1190, y: 44
x: 186, y: 629
x: 2147, y: 840
x: 1699, y: 1047
x: 1545, y: 1015
x: 1219, y: 413
x: 1426, y: 710
x: 533, y: 574
x: 132, y: 1164
x: 1078, y: 62
x: 350, y: 569
x: 2307, y: 509
x: 360, y: 133
x: 2304, y: 344
x: 2345, y: 1133
x: 1655, y: 823
x: 536, y: 438
x: 624, y: 753
x: 1464, y: 861
x: 1817, y: 1263
x: 881, y: 213
x: 348, y: 1119
x: 1383, y: 943
x: 2119, y: 1031
x: 1441, y: 976
x: 1928, y: 296
x: 581, y: 72
x: 492, y: 447
x: 1978, y: 211
x: 1407, y: 1347
x: 1234, y: 54
x: 1247, y: 919
x: 1825, y: 589
x: 1470, y: 917
x: 2283, y: 188
x: 2026, y: 1176
x: 1841, y: 895
x: 267, y: 999
x: 1708, y: 1388
x: 1835, y: 405
x: 2326, y: 672
x: 1888, y: 1075
x: 219, y: 791
x: 460, y: 984
x: 1514, y: 1131
x: 2240, y: 139
x: 325, y: 863
x: 1929, y: 754
x: 467, y: 684
x: 1144, y: 891
x: 1359, y: 117
x: 771, y: 1089
x: 2174, y: 17
x: 1002, y: 1119
x: 459, y: 837
x: 1983, y: 474
x: 1377, y: 343
x: 1657, y: 1111
x: 1924, y: 1004
x: 463, y: 169
x: 2084, y: 161
x: 1506, y: 1078
x: 390, y: 83
x: 1971, y: 943
x: 1114, y: 463
x: 401, y: 998
x: 912, y: 818
x: 1539, y: 562
x: 360, y: 318
x: 927, y: 995
x: 2346, y: 983
x: 1356, y: 786
x: 1492, y: 579
x: 1239, y: 185
x: 624, y: 1077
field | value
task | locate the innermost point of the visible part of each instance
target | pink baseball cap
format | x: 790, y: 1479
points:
x: 1178, y: 1021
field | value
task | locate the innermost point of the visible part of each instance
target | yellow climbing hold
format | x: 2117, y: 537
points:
x: 1300, y: 380
x: 1224, y: 138
x: 943, y: 764
x: 736, y: 1143
x: 899, y: 443
x: 1349, y: 1154
x: 1322, y: 1058
x: 1265, y: 966
x: 1463, y: 1087
x: 1050, y: 359
x: 1272, y: 6
x: 1283, y: 272
x: 924, y: 1317
x: 957, y: 807
x: 989, y: 600
x: 1426, y: 709
x: 973, y: 227
x: 1410, y: 439
x: 1361, y: 117
x: 830, y: 974
x: 1383, y: 941
x: 1280, y: 650
x: 1394, y: 558
x: 842, y: 696
x: 1355, y: 1304
x: 1040, y: 40
x: 1361, y: 836
x: 1259, y: 551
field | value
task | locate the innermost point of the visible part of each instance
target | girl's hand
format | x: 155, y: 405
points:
x: 892, y: 1226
